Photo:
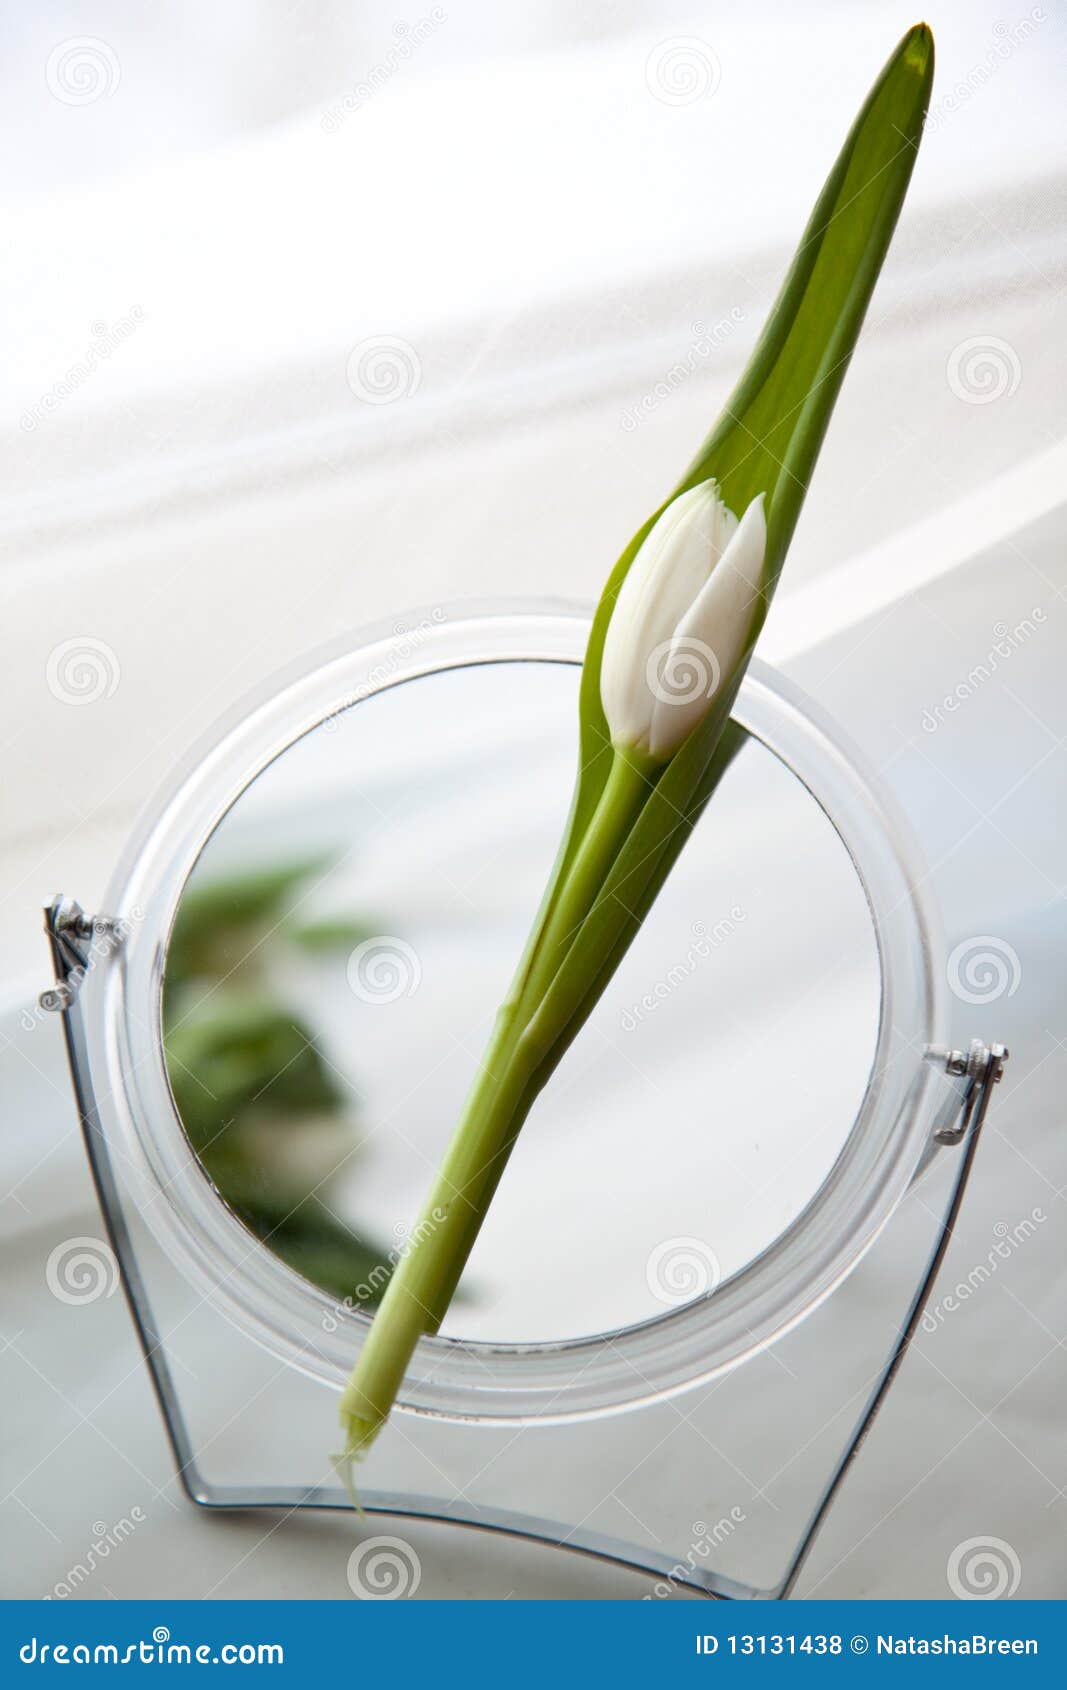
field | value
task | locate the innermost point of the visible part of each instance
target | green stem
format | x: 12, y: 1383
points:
x: 625, y: 793
x: 408, y: 1305
x: 424, y: 1281
x: 630, y: 781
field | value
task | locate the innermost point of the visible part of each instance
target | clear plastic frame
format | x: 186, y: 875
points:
x: 501, y: 1381
x: 575, y: 1421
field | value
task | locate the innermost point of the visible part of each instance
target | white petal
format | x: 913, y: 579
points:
x: 711, y: 635
x: 668, y: 573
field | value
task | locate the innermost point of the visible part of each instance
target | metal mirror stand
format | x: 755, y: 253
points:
x: 971, y: 1076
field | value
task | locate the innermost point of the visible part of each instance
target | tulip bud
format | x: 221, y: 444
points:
x: 683, y: 620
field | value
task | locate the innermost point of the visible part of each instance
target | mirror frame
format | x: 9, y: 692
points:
x: 461, y: 1379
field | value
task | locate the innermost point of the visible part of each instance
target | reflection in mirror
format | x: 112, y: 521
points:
x: 342, y: 944
x: 267, y: 1117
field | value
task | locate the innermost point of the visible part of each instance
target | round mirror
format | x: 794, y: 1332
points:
x: 341, y: 946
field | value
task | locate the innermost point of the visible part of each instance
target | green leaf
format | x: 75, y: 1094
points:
x: 247, y: 896
x: 621, y: 841
x: 773, y: 424
x: 240, y: 1053
x: 332, y: 933
x: 766, y: 441
x: 314, y: 1243
x: 628, y: 894
x: 211, y: 930
x: 768, y: 437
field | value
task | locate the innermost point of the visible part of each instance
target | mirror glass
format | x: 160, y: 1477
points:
x: 341, y: 947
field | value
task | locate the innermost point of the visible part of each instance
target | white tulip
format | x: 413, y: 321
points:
x: 682, y: 620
